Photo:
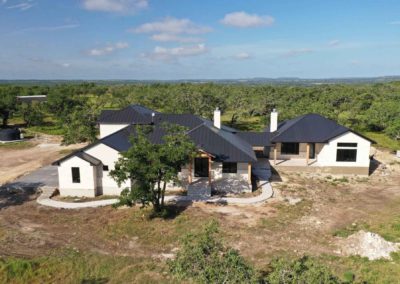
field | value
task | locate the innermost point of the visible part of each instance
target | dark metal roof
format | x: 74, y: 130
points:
x: 311, y: 128
x: 132, y: 114
x: 259, y: 139
x: 81, y: 154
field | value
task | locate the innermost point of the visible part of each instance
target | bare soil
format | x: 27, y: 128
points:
x: 324, y: 205
x: 43, y: 150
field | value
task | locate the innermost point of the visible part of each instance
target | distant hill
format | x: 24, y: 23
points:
x: 249, y: 81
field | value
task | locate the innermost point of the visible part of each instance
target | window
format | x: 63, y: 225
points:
x: 76, y: 175
x: 229, y: 168
x: 105, y: 168
x: 350, y: 145
x: 290, y: 148
x: 346, y: 155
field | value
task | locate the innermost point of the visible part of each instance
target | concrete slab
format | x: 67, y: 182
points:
x: 46, y: 176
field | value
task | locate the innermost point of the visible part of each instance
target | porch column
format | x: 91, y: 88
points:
x: 308, y: 154
x: 190, y: 171
x: 275, y: 154
x: 209, y: 171
x: 249, y: 173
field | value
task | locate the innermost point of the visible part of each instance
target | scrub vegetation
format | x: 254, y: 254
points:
x: 72, y: 109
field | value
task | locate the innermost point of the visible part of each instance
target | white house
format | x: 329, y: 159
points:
x: 225, y: 155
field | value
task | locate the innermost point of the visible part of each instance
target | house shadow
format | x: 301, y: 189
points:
x: 275, y: 176
x: 373, y: 165
x: 17, y: 193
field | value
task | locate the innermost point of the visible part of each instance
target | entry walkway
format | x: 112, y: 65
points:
x: 266, y: 193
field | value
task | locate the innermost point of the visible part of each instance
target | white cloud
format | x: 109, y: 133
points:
x: 107, y: 49
x: 115, y: 6
x: 170, y: 54
x: 297, y: 52
x: 165, y: 37
x: 65, y: 65
x: 395, y: 23
x: 245, y: 20
x: 334, y: 42
x: 49, y: 28
x: 242, y: 56
x: 22, y: 6
x: 171, y: 25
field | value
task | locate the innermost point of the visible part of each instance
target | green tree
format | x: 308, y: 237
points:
x: 8, y: 104
x: 31, y: 113
x: 205, y: 259
x: 301, y: 271
x: 79, y: 126
x: 151, y: 166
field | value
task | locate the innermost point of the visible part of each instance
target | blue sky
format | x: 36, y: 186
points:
x: 187, y: 39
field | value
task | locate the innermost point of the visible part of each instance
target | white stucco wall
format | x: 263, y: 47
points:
x: 108, y: 156
x: 87, y: 185
x: 107, y: 129
x: 326, y: 155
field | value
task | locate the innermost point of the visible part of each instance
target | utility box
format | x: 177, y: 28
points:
x: 398, y: 154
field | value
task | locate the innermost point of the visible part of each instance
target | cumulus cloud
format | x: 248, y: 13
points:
x: 170, y: 54
x: 334, y: 42
x: 107, y: 49
x: 172, y: 30
x: 165, y: 37
x: 245, y: 20
x: 242, y: 56
x: 115, y: 6
x: 297, y: 52
x: 22, y: 6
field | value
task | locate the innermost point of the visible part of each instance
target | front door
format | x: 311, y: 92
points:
x: 201, y: 167
x: 312, y: 151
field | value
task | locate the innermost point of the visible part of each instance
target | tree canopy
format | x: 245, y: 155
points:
x: 150, y: 167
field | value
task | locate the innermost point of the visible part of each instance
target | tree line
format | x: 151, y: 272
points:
x: 75, y: 107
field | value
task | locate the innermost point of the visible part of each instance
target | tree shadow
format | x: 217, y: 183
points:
x: 170, y: 211
x: 17, y: 193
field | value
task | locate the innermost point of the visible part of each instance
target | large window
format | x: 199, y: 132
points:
x: 76, y: 175
x: 346, y: 155
x: 229, y: 168
x: 290, y: 148
x: 346, y: 152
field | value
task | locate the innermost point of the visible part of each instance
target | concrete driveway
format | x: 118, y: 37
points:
x: 46, y: 176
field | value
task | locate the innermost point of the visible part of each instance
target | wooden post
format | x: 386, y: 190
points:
x: 308, y: 154
x: 209, y: 171
x: 249, y: 173
x: 275, y: 154
x: 190, y: 171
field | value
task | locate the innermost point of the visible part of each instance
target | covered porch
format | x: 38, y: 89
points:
x: 294, y: 154
x: 206, y: 174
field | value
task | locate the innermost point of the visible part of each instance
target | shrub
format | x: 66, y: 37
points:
x: 206, y: 260
x: 301, y: 271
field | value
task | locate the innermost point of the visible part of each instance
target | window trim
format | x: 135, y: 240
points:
x: 346, y: 150
x: 76, y: 174
x: 229, y: 168
x: 296, y: 148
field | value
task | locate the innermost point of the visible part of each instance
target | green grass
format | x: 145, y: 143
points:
x: 72, y: 266
x: 49, y: 129
x: 383, y: 140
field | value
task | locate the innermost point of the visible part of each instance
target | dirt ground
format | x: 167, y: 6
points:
x: 301, y: 218
x: 38, y: 152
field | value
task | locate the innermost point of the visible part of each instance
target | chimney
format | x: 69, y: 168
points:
x: 274, y: 121
x: 217, y: 118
